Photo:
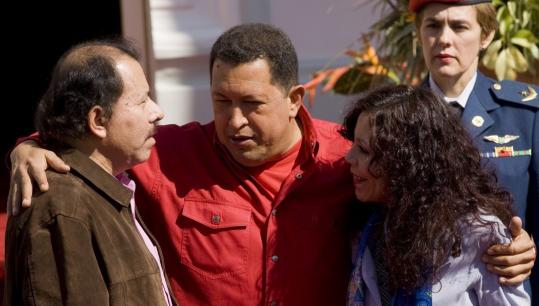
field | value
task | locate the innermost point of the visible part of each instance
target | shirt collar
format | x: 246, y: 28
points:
x: 126, y: 181
x: 309, y: 138
x: 97, y: 176
x: 462, y: 98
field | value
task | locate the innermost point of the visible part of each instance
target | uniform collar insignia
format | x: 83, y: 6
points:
x: 528, y: 94
x: 501, y: 139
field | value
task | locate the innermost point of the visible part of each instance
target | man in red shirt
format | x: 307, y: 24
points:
x: 253, y: 208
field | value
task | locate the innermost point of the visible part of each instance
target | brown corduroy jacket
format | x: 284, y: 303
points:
x: 78, y: 245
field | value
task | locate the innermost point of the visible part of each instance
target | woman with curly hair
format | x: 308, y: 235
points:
x: 436, y: 209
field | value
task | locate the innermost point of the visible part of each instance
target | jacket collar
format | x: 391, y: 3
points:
x: 482, y: 85
x: 475, y: 117
x: 93, y: 174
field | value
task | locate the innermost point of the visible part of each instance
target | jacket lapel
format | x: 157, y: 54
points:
x: 475, y: 117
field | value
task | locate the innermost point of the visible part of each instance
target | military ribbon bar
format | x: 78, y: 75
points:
x: 508, y: 153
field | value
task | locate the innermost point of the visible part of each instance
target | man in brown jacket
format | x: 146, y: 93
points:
x: 82, y: 243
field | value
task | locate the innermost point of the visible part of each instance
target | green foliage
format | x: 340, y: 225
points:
x: 515, y: 45
x: 397, y: 40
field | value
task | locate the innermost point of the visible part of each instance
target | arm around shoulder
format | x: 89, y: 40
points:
x: 487, y: 287
x: 29, y: 161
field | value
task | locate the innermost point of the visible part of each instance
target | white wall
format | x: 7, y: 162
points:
x: 321, y: 30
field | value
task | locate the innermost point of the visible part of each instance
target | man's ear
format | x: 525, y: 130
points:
x: 295, y: 95
x: 97, y: 122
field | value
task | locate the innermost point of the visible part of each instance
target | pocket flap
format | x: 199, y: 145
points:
x: 216, y: 216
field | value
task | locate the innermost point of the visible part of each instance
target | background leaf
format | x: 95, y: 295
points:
x: 519, y: 62
x: 489, y: 59
x: 501, y: 65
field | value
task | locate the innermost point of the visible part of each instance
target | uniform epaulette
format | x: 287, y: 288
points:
x: 516, y: 92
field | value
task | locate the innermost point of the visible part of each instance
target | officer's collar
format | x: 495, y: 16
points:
x: 462, y: 99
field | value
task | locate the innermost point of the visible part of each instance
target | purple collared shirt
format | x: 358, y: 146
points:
x: 129, y: 183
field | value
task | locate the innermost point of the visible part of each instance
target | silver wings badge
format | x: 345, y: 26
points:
x: 501, y: 139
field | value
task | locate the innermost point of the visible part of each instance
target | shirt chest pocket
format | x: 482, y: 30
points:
x: 215, y: 238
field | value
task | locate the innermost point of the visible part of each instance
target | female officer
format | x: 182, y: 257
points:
x: 502, y: 117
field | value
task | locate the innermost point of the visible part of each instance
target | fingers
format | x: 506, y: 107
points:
x: 511, y: 271
x: 55, y: 163
x: 36, y: 169
x: 511, y: 259
x: 40, y: 177
x: 515, y: 226
x: 517, y: 280
x: 19, y: 178
x: 514, y: 275
x: 26, y: 190
x: 29, y: 162
x: 13, y: 199
x: 502, y: 250
x: 520, y: 244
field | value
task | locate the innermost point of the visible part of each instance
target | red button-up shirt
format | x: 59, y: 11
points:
x: 222, y: 246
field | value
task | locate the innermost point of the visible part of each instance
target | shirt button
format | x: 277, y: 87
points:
x: 215, y: 219
x: 273, y: 303
x: 299, y: 176
x: 274, y: 212
x: 275, y: 258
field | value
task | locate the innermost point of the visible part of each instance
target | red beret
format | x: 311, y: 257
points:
x: 416, y: 5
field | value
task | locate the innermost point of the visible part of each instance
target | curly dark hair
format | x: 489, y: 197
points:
x: 84, y: 76
x: 248, y: 42
x: 434, y: 175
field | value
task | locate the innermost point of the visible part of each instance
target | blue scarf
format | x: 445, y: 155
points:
x: 356, y: 287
